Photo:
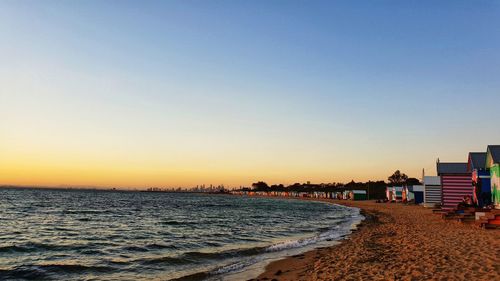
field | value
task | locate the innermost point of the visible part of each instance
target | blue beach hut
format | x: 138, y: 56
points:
x: 416, y: 193
x: 476, y: 165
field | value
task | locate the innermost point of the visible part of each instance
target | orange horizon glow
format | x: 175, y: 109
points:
x: 33, y: 157
x: 175, y: 94
x: 141, y: 173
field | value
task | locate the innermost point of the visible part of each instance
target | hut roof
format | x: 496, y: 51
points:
x: 432, y: 180
x: 451, y: 168
x: 494, y: 151
x: 416, y: 188
x: 477, y: 160
x: 359, y: 191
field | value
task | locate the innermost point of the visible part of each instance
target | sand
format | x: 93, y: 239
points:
x: 399, y: 242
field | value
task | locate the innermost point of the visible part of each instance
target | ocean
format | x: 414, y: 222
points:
x: 49, y: 234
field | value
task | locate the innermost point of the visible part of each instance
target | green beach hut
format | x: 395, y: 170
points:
x: 493, y: 164
x: 359, y: 195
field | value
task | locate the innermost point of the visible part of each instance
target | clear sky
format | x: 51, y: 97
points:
x: 168, y: 93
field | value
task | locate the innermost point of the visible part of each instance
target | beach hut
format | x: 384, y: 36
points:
x: 480, y: 178
x: 359, y: 195
x: 456, y: 183
x: 405, y: 194
x: 432, y: 191
x: 398, y: 193
x: 416, y: 193
x: 389, y: 194
x: 346, y: 195
x: 394, y: 193
x: 493, y: 164
x: 338, y: 195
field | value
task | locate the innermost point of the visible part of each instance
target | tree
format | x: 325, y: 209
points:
x: 397, y: 178
x: 376, y: 189
x: 351, y: 184
x: 412, y: 181
x: 260, y: 186
x: 277, y: 187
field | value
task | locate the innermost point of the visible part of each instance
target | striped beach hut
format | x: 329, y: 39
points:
x: 432, y: 191
x: 480, y: 178
x: 456, y: 183
x: 493, y: 164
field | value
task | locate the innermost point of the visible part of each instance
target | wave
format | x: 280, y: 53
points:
x: 291, y: 244
x: 24, y: 273
x: 224, y: 254
x: 250, y: 256
x: 34, y: 247
x: 45, y: 271
x: 135, y: 249
x: 193, y: 277
x: 206, y: 275
x: 200, y: 257
x: 233, y: 267
x: 178, y: 222
x: 166, y: 260
x: 55, y: 267
x: 14, y: 248
x: 88, y: 249
x: 156, y: 246
x: 90, y: 212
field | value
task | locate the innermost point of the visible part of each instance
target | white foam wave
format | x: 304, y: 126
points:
x: 337, y: 232
x: 237, y: 266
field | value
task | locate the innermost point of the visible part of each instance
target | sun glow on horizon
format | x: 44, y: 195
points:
x: 182, y: 94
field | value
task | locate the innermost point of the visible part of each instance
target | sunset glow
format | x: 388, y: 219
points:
x: 93, y: 94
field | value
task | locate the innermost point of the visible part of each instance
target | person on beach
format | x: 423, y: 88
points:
x: 466, y: 202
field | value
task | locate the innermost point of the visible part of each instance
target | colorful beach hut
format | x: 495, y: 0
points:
x: 398, y: 193
x: 389, y: 195
x: 456, y: 183
x: 359, y: 195
x: 405, y: 194
x: 432, y: 191
x: 493, y: 164
x: 416, y: 193
x: 480, y: 178
x: 394, y: 193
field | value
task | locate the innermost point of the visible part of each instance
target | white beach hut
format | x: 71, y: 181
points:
x: 432, y: 191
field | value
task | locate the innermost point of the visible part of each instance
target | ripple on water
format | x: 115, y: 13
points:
x: 67, y: 235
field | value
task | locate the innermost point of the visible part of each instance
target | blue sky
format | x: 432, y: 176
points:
x: 187, y: 92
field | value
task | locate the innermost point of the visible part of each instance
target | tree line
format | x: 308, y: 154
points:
x: 375, y: 189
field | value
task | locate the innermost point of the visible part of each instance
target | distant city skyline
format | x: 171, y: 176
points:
x: 180, y: 93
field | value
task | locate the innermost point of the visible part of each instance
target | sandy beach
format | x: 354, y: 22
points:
x: 398, y: 242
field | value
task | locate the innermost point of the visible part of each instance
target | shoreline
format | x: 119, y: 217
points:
x: 396, y: 242
x: 260, y: 267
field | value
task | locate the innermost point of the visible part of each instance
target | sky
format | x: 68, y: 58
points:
x: 180, y: 93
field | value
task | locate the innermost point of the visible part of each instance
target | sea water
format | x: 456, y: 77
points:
x: 50, y: 234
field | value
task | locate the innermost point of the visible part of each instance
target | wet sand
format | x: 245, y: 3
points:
x: 398, y: 242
